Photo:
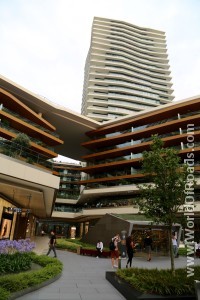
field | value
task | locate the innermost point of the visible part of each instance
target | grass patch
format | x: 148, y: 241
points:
x: 16, y: 282
x: 160, y: 282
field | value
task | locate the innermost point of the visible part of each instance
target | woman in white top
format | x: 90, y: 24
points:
x: 99, y: 248
x: 175, y: 245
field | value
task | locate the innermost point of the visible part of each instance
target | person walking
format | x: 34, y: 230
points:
x: 99, y: 248
x: 130, y: 245
x: 115, y: 251
x: 148, y: 246
x: 175, y: 246
x: 52, y: 244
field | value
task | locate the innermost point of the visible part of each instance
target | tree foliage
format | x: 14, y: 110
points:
x: 21, y: 141
x: 163, y: 195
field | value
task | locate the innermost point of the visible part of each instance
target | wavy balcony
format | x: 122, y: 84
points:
x: 12, y: 103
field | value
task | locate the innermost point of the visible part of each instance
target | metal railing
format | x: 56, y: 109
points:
x: 26, y: 154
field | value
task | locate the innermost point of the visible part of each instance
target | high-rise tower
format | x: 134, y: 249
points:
x: 126, y: 70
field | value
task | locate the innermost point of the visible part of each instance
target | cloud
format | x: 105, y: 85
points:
x: 44, y: 44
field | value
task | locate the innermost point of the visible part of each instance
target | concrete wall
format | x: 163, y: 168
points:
x: 16, y: 168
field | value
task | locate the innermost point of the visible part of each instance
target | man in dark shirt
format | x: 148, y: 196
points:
x: 52, y: 244
x: 148, y: 246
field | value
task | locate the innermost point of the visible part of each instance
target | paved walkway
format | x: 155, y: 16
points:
x: 83, y: 277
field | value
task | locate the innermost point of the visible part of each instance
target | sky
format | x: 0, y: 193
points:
x: 44, y: 43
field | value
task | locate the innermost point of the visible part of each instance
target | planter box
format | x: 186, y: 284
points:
x: 131, y: 294
x: 91, y: 252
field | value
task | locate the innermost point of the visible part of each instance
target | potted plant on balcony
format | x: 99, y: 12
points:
x: 21, y: 144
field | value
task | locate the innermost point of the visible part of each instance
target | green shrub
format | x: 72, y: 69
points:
x: 30, y: 160
x: 182, y: 251
x: 7, y: 152
x: 12, y: 263
x: 17, y: 282
x: 64, y: 244
x: 73, y: 244
x: 4, y: 294
x: 13, y: 283
x: 160, y: 281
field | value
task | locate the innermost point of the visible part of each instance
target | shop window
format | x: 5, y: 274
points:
x: 6, y: 223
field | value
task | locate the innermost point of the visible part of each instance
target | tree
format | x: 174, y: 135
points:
x: 163, y: 195
x: 21, y: 141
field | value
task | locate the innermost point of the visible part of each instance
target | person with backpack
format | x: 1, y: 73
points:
x: 114, y: 250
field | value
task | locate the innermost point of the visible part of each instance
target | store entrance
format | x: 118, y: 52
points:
x: 20, y: 227
x: 159, y: 235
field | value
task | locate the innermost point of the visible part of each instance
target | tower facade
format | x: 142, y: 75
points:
x: 126, y: 70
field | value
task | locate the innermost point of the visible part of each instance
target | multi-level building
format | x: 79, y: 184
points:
x: 113, y: 168
x: 116, y: 147
x: 70, y: 176
x: 27, y: 186
x: 112, y: 153
x: 66, y: 199
x: 126, y: 70
x: 16, y: 118
x: 28, y: 181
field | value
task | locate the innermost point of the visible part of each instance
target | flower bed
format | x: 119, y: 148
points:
x: 15, y: 285
x: 13, y: 246
x: 15, y: 255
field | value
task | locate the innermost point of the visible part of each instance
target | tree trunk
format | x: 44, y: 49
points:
x: 171, y: 250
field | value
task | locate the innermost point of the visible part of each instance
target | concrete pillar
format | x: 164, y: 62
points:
x: 81, y: 230
x: 86, y: 227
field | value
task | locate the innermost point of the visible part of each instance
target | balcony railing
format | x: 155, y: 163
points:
x: 34, y: 140
x: 68, y: 196
x: 28, y: 155
x: 29, y: 122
